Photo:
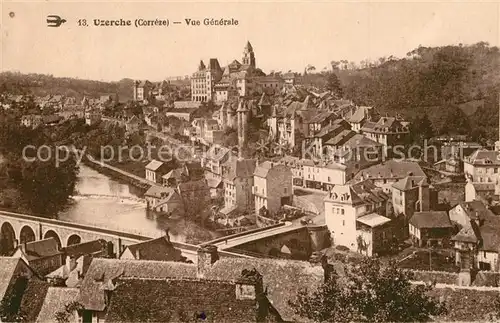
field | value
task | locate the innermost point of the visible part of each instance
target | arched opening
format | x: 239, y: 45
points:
x: 74, y: 239
x: 27, y: 235
x: 7, y: 239
x: 52, y: 234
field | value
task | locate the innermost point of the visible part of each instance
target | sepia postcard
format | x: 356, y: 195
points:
x: 263, y: 161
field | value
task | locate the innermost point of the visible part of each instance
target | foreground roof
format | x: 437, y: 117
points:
x: 282, y: 278
x: 390, y: 169
x: 55, y: 301
x: 102, y: 271
x: 173, y: 300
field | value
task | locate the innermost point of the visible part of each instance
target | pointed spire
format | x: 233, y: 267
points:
x: 248, y: 47
x: 202, y: 66
x: 306, y: 104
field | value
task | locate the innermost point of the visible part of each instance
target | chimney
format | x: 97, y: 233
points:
x: 137, y: 254
x: 167, y: 235
x: 207, y: 256
x: 249, y: 285
x: 72, y: 263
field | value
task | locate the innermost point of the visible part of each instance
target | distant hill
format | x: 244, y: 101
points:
x: 41, y: 85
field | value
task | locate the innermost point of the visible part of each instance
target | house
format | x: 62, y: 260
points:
x: 31, y: 120
x: 323, y: 175
x: 98, y: 284
x: 92, y: 116
x: 164, y: 199
x: 477, y: 243
x: 482, y: 166
x: 273, y: 187
x: 160, y: 249
x: 155, y: 170
x: 452, y: 165
x: 174, y: 177
x: 78, y: 258
x: 213, y: 159
x: 430, y: 228
x: 27, y: 299
x: 43, y: 256
x: 296, y: 165
x: 187, y: 104
x: 353, y: 150
x: 319, y: 135
x: 389, y: 172
x: 374, y: 234
x: 186, y: 114
x: 480, y: 191
x: 360, y: 116
x: 388, y: 131
x: 412, y: 194
x: 142, y: 90
x: 237, y: 175
x: 346, y: 204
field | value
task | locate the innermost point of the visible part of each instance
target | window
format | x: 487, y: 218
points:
x: 495, y: 170
x: 342, y: 211
x: 343, y: 222
x: 285, y: 190
x: 484, y: 254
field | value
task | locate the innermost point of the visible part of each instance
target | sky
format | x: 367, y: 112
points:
x: 285, y: 35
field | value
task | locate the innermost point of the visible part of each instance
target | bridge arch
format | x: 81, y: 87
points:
x: 7, y: 239
x: 27, y: 234
x: 73, y: 239
x: 53, y: 234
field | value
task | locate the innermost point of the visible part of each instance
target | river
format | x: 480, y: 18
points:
x: 104, y: 202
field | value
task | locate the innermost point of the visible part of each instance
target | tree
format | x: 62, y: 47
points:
x: 333, y: 85
x: 370, y: 292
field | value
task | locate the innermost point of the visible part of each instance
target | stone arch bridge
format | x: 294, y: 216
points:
x: 16, y: 228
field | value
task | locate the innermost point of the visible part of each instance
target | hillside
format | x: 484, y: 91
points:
x: 41, y: 85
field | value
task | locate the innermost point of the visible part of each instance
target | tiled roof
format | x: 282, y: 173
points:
x: 42, y: 248
x: 33, y: 298
x: 173, y: 300
x: 85, y: 248
x: 213, y: 182
x: 341, y: 138
x: 484, y: 228
x: 484, y: 157
x: 154, y: 165
x: 156, y: 249
x: 373, y: 220
x: 263, y: 169
x: 410, y: 182
x: 392, y: 169
x: 264, y: 100
x: 282, y: 278
x: 159, y: 191
x: 321, y: 116
x: 431, y: 219
x: 383, y: 125
x: 476, y: 209
x: 358, y: 116
x: 102, y: 271
x: 484, y: 187
x: 238, y: 168
x: 360, y: 141
x: 55, y: 301
x: 174, y: 173
x: 364, y: 192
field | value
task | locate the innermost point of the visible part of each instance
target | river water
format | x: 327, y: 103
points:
x: 104, y: 202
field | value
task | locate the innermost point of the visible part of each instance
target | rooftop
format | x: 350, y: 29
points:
x: 102, y: 271
x: 55, y: 301
x: 390, y: 169
x: 155, y: 249
x: 373, y: 220
x: 431, y: 220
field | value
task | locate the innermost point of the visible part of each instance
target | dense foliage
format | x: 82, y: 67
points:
x: 368, y: 292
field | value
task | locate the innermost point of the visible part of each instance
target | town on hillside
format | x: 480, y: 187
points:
x: 297, y: 189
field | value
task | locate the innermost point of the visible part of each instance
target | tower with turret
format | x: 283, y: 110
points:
x: 242, y: 113
x: 248, y: 56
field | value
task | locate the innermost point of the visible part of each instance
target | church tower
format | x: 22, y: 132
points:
x: 248, y: 56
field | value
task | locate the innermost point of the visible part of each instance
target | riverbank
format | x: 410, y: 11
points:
x: 142, y: 187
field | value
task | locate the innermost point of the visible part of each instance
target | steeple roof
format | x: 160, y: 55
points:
x: 248, y: 47
x: 202, y: 66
